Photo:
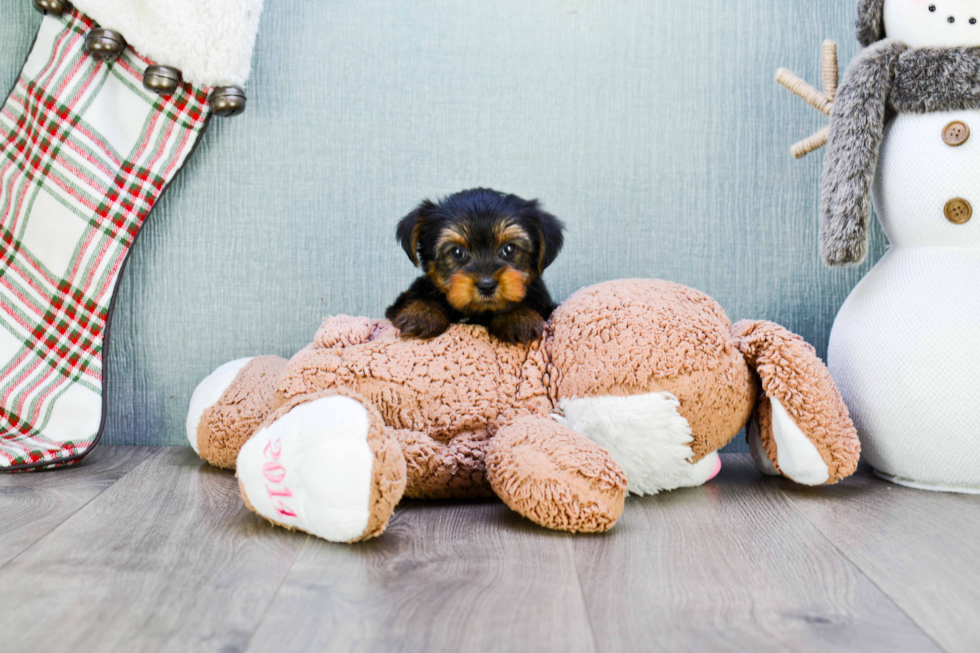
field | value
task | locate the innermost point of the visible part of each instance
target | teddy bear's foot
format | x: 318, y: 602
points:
x: 207, y: 393
x: 801, y: 428
x: 229, y: 406
x: 555, y: 477
x: 324, y: 464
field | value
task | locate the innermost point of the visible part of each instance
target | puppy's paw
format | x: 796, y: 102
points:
x: 521, y: 325
x: 421, y: 320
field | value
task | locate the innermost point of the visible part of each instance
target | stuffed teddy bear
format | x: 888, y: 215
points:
x: 903, y: 348
x: 635, y: 385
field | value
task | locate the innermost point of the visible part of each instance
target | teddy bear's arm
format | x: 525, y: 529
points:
x: 857, y: 124
x: 346, y: 331
x: 555, y: 476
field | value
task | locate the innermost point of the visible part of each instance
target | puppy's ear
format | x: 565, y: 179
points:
x: 410, y: 228
x: 548, y: 228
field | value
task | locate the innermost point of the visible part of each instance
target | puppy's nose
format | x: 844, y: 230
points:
x: 486, y: 286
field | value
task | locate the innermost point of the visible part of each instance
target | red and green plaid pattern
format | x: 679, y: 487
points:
x: 86, y: 153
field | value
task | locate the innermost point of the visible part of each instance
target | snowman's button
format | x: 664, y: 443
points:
x: 956, y: 133
x: 958, y: 211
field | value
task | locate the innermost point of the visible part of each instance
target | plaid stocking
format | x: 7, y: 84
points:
x: 86, y: 153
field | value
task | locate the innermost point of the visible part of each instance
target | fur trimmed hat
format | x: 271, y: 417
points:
x: 870, y: 21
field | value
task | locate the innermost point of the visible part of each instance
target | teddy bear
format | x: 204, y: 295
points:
x: 634, y: 387
x: 903, y: 346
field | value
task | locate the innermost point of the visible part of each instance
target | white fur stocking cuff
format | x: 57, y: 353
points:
x: 209, y: 41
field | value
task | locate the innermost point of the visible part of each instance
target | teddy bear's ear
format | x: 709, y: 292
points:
x: 870, y: 21
x: 548, y: 230
x: 410, y: 228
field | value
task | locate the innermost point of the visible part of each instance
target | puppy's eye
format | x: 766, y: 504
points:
x: 458, y: 253
x: 508, y: 250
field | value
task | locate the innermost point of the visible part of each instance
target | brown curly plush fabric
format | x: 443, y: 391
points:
x: 464, y: 381
x: 471, y: 415
x: 654, y: 336
x: 556, y: 477
x: 445, y: 470
x: 246, y: 403
x: 790, y: 372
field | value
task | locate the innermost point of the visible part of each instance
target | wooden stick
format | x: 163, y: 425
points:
x: 798, y: 87
x: 830, y: 70
x: 810, y: 144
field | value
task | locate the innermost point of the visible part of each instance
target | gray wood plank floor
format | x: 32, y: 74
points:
x: 30, y: 506
x: 144, y: 549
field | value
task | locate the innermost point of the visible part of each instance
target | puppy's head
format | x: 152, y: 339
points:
x: 481, y: 247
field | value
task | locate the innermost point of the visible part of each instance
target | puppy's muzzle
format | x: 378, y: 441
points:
x: 486, y: 286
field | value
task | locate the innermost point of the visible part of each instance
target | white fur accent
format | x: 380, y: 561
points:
x: 758, y: 450
x: 207, y: 393
x: 644, y: 434
x: 209, y: 41
x: 913, y: 23
x: 703, y: 470
x: 798, y: 458
x: 327, y: 467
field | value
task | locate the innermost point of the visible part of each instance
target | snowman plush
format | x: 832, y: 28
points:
x: 905, y: 136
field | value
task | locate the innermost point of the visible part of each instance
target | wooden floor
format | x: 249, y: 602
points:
x: 148, y: 549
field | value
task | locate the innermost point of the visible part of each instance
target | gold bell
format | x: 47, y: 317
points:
x: 227, y: 101
x: 162, y: 80
x: 105, y: 44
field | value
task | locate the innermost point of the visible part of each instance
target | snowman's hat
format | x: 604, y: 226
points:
x: 870, y: 23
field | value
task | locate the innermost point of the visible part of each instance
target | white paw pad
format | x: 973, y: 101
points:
x: 311, y: 469
x: 798, y: 458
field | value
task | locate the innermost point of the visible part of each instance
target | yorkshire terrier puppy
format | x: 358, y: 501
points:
x: 482, y: 253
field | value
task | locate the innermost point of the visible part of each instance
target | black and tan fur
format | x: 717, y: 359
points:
x: 482, y: 254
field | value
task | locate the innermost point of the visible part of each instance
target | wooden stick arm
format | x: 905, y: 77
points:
x: 830, y: 70
x: 801, y: 89
x: 822, y: 101
x: 810, y: 144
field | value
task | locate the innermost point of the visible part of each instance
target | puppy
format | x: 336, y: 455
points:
x: 482, y: 253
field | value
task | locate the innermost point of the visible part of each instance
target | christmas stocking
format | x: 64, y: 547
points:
x: 111, y: 101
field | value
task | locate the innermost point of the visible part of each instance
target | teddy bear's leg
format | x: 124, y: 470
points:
x: 801, y: 427
x: 229, y: 405
x: 452, y: 469
x: 556, y: 477
x: 325, y: 464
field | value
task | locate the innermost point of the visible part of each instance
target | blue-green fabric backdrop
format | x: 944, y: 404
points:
x: 652, y: 128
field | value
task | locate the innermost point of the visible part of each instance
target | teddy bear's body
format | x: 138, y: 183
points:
x: 651, y: 371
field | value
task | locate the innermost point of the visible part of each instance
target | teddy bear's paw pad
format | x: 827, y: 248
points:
x: 207, y: 394
x: 311, y: 469
x: 797, y: 457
